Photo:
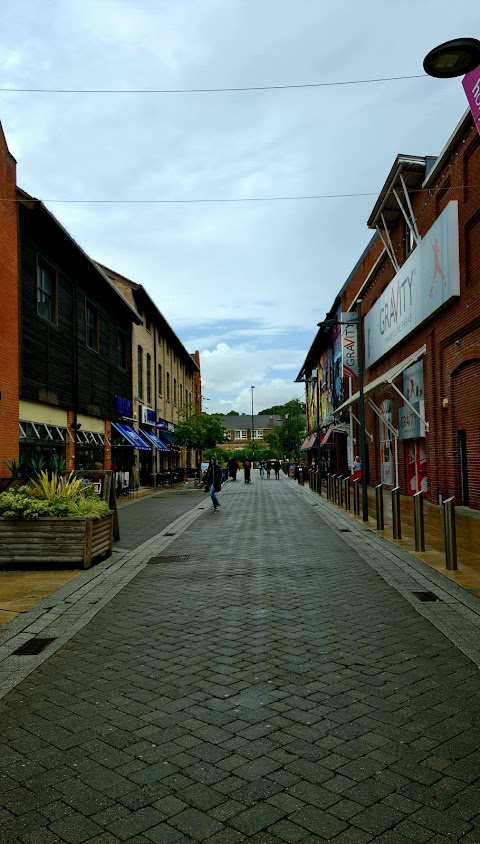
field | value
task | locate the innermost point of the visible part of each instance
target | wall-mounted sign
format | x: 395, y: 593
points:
x: 349, y: 344
x: 429, y: 278
x: 123, y: 407
x: 471, y: 86
x: 410, y: 426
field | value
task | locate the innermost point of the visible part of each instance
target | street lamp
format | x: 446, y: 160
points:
x: 253, y: 441
x: 453, y: 58
x: 358, y: 321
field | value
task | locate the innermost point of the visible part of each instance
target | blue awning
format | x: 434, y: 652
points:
x: 132, y: 436
x: 167, y: 437
x: 156, y: 441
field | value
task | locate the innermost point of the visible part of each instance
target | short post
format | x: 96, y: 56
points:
x: 418, y: 522
x: 334, y: 480
x: 319, y: 481
x: 340, y: 490
x: 346, y: 488
x: 396, y: 516
x: 327, y: 483
x: 379, y: 506
x: 450, y: 534
x: 356, y: 497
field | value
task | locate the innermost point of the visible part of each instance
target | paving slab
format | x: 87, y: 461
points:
x: 271, y: 677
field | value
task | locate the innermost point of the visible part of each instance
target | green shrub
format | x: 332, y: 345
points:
x: 17, y: 504
x: 61, y: 497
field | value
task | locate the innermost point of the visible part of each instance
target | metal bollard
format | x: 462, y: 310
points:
x: 450, y: 534
x: 340, y: 490
x: 319, y: 482
x: 346, y: 490
x: 418, y: 522
x: 356, y: 497
x: 334, y: 480
x: 379, y: 503
x: 327, y: 482
x: 396, y: 513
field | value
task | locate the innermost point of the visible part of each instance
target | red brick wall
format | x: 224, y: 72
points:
x: 9, y: 328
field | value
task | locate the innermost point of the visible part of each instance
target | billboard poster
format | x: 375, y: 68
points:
x: 429, y: 278
x: 349, y: 345
x: 385, y: 442
x: 471, y: 86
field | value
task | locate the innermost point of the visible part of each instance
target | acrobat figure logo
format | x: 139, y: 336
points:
x: 437, y: 270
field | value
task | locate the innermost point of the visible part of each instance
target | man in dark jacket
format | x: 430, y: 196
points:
x: 213, y: 482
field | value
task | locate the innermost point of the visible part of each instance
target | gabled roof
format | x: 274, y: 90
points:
x: 150, y: 306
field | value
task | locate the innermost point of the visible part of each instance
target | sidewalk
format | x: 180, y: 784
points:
x: 268, y: 674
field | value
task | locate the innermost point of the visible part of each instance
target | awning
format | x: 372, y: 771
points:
x: 308, y: 442
x: 169, y: 438
x: 386, y: 378
x: 156, y: 441
x: 326, y: 436
x: 132, y: 436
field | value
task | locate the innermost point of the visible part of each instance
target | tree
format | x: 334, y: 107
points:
x: 199, y: 432
x: 232, y: 413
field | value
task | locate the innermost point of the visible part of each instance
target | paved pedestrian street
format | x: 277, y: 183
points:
x: 267, y: 673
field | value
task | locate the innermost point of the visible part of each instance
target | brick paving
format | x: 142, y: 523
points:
x: 272, y: 687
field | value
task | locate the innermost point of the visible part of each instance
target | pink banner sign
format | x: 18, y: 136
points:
x: 471, y: 85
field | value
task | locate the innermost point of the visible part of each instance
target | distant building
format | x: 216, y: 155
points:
x: 242, y: 434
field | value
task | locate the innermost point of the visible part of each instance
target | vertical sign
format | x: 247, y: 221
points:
x: 349, y: 344
x: 471, y: 86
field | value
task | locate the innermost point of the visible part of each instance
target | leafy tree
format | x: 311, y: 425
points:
x: 232, y: 413
x: 200, y: 432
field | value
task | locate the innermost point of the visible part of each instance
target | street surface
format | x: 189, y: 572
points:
x: 268, y: 673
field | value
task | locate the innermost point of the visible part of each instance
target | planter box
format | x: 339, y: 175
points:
x: 55, y: 540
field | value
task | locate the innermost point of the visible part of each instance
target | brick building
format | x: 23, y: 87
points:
x: 419, y: 284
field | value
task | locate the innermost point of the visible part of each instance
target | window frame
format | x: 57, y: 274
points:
x: 44, y: 266
x: 91, y: 330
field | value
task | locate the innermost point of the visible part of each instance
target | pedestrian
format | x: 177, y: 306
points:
x: 246, y: 469
x: 276, y: 467
x: 233, y: 468
x: 269, y: 469
x: 262, y: 469
x: 213, y: 482
x: 357, y: 468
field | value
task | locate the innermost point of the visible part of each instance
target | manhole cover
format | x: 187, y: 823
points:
x: 33, y: 647
x: 172, y: 558
x: 426, y: 596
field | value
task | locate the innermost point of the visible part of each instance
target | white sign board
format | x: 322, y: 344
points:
x: 428, y: 279
x: 349, y: 344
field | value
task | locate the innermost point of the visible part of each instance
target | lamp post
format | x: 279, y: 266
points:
x: 358, y: 321
x: 253, y: 441
x: 453, y: 58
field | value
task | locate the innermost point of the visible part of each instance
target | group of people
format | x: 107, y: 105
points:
x: 213, y: 476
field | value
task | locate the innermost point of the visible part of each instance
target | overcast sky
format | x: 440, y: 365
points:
x: 243, y: 282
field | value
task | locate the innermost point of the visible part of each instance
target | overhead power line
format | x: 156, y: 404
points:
x: 12, y: 90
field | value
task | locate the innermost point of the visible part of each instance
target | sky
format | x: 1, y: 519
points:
x: 205, y: 197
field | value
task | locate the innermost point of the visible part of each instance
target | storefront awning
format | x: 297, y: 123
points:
x: 156, y: 441
x: 167, y: 437
x: 132, y: 436
x: 387, y: 378
x: 308, y: 442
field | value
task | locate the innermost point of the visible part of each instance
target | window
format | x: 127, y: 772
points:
x: 181, y: 395
x: 46, y: 291
x: 140, y: 372
x: 167, y: 387
x: 147, y: 323
x: 240, y: 435
x: 257, y: 435
x: 160, y: 379
x: 91, y: 326
x: 121, y: 350
x: 167, y: 348
x: 149, y: 379
x: 175, y: 391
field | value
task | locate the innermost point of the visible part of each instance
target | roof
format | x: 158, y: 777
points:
x: 412, y: 168
x: 244, y: 420
x: 140, y: 290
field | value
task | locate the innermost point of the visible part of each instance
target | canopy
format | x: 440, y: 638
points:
x: 132, y: 436
x: 156, y: 441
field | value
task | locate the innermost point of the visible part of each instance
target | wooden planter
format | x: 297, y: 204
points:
x: 55, y: 540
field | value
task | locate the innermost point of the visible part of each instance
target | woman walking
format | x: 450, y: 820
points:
x: 213, y: 482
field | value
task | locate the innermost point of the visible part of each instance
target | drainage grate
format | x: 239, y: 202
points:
x: 169, y: 534
x: 173, y: 558
x: 426, y: 596
x: 344, y: 530
x: 33, y: 647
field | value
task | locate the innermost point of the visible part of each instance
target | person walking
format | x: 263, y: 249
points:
x: 276, y: 467
x: 213, y: 482
x: 233, y: 468
x: 246, y: 469
x: 269, y: 469
x: 262, y: 469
